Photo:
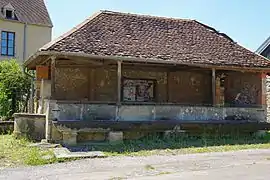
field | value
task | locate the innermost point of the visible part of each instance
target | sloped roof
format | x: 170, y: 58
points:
x: 179, y: 41
x: 28, y: 11
x: 264, y: 46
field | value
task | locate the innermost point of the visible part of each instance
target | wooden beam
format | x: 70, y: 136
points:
x: 168, y: 86
x: 119, y: 81
x: 214, y: 86
x: 53, y: 91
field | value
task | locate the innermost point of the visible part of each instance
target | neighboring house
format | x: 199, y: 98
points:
x: 25, y: 26
x: 125, y: 72
x: 264, y: 49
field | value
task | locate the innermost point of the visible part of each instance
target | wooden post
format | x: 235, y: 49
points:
x: 53, y: 77
x: 119, y: 81
x: 214, y: 86
x: 92, y: 85
x: 168, y: 86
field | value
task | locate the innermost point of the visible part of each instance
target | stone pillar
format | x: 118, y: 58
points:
x: 51, y: 112
x: 263, y: 98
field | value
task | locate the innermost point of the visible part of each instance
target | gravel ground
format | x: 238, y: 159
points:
x: 248, y: 164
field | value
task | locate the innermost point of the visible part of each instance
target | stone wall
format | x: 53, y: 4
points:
x: 6, y: 127
x: 268, y: 97
x: 88, y: 112
x: 30, y: 126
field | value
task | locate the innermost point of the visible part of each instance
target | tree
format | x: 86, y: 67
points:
x: 14, y: 89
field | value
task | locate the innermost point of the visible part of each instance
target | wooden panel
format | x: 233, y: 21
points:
x: 190, y: 87
x: 72, y: 83
x: 105, y: 84
x: 42, y: 72
x: 246, y: 86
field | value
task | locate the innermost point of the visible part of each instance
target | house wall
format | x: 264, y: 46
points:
x: 36, y: 37
x: 100, y: 84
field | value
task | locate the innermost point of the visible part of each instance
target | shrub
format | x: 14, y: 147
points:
x: 14, y: 89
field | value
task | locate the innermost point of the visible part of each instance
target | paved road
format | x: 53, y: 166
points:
x: 246, y: 165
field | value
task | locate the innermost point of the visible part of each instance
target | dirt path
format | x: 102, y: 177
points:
x: 249, y: 164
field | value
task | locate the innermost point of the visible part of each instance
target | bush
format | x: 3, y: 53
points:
x: 14, y: 89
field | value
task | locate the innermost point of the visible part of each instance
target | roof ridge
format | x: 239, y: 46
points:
x: 48, y: 45
x: 215, y: 31
x: 144, y: 15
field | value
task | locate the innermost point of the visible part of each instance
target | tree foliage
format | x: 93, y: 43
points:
x: 14, y: 88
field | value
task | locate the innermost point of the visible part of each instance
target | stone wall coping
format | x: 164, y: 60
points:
x: 28, y: 115
x: 6, y: 122
x: 78, y: 102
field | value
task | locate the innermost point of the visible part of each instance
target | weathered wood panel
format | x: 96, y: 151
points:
x: 247, y: 85
x: 190, y: 87
x: 105, y: 84
x: 71, y: 83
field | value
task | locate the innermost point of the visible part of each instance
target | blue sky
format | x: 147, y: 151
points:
x: 245, y: 21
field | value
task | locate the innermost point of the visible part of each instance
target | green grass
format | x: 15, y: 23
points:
x: 184, y: 144
x: 16, y: 152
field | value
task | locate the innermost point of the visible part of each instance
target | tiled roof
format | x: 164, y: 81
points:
x: 176, y: 40
x: 28, y: 11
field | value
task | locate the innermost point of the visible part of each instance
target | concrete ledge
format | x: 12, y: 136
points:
x: 29, y: 115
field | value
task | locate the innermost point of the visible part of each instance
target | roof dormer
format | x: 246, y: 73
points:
x: 9, y: 11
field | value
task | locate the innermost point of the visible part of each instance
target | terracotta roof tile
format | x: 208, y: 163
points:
x: 178, y: 40
x: 28, y: 11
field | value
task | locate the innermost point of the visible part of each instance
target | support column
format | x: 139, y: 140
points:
x: 53, y: 61
x: 214, y: 86
x: 119, y: 81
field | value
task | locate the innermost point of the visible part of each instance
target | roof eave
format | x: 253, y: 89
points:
x: 32, y: 59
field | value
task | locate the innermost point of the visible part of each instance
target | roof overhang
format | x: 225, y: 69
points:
x: 42, y: 56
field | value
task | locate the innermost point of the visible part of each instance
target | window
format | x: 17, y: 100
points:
x: 7, y: 43
x: 138, y: 90
x: 9, y: 14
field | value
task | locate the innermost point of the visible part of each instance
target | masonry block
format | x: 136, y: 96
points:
x: 116, y: 137
x: 70, y: 137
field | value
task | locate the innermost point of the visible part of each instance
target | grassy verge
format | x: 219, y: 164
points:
x: 16, y: 152
x: 184, y: 144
